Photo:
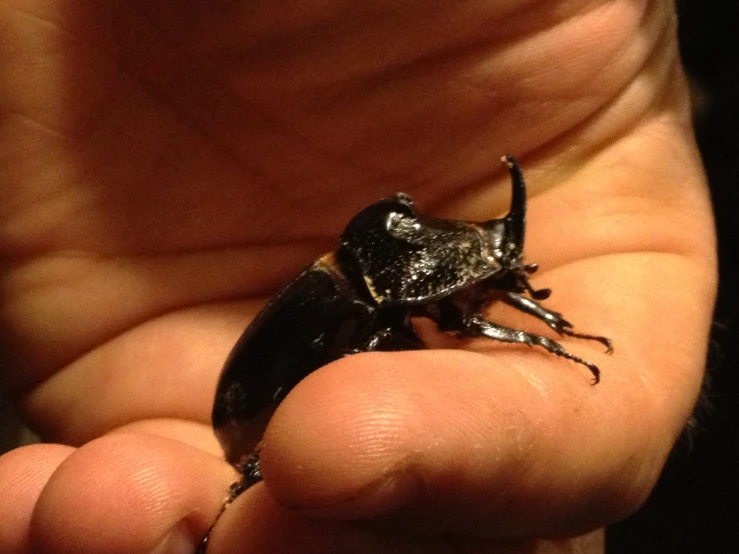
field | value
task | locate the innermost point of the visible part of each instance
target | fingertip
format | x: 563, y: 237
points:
x: 23, y: 474
x: 129, y: 493
x: 351, y: 445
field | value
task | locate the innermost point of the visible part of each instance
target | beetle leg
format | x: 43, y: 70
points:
x: 388, y: 340
x: 393, y: 331
x: 478, y: 326
x: 233, y: 492
x: 396, y: 338
x: 551, y: 318
x: 251, y: 474
x: 449, y: 317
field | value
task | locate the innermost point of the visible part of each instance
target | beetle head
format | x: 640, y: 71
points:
x: 506, y: 234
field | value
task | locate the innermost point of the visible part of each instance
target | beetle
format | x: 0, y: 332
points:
x: 392, y: 265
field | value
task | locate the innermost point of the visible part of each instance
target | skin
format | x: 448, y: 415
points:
x: 164, y: 170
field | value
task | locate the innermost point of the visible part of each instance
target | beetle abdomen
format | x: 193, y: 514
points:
x: 308, y: 324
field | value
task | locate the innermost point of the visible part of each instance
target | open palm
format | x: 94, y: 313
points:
x: 165, y: 167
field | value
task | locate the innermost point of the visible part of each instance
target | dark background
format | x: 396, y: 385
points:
x: 695, y: 507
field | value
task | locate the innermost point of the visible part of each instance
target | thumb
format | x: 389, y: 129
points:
x: 450, y: 442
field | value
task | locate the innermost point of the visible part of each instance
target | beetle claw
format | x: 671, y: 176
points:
x: 592, y: 367
x: 603, y: 340
x: 541, y: 294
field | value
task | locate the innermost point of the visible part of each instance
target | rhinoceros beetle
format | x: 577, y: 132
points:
x: 392, y: 265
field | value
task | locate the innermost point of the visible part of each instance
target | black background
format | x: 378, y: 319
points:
x: 695, y: 507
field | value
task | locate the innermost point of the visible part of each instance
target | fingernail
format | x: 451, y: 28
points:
x: 178, y: 541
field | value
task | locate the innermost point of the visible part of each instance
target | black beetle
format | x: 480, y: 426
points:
x: 392, y: 265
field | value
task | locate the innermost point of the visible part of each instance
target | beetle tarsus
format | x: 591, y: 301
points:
x: 603, y: 340
x: 551, y: 318
x: 251, y: 474
x: 251, y: 470
x: 233, y: 492
x: 522, y: 275
x: 539, y: 294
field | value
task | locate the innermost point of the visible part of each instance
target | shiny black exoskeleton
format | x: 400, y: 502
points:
x: 393, y: 264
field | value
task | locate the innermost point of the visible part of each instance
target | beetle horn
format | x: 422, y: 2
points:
x: 516, y: 218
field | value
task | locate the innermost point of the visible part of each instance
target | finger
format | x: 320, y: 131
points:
x: 130, y: 493
x: 23, y: 475
x: 188, y: 347
x: 187, y: 432
x: 442, y: 444
x: 445, y: 443
x: 255, y: 523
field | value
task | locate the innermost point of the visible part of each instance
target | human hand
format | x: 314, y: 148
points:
x: 164, y: 170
